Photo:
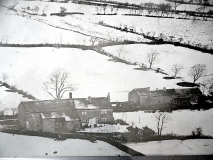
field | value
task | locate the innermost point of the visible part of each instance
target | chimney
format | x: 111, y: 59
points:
x: 164, y: 88
x: 148, y: 88
x: 90, y: 99
x: 108, y: 97
x: 70, y: 95
x: 156, y: 89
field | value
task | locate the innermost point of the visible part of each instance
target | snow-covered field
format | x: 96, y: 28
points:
x: 168, y: 56
x: 29, y: 146
x: 175, y: 147
x: 29, y: 68
x: 196, y: 32
x: 20, y: 30
x: 107, y: 129
x: 55, y: 30
x: 180, y: 122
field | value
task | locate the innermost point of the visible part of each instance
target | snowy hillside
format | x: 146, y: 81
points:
x: 10, y: 99
x: 180, y: 122
x: 169, y: 55
x: 28, y: 146
x: 191, y: 31
x: 102, y: 74
x: 174, y: 147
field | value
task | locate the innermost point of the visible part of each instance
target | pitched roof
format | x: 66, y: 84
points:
x: 48, y: 105
x: 188, y: 91
x: 165, y: 92
x: 183, y: 92
x: 142, y: 91
x: 96, y: 103
x: 64, y: 108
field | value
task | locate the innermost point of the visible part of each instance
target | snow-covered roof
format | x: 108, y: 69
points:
x: 53, y: 115
x: 92, y: 103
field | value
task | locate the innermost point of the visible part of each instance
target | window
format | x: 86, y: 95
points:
x: 103, y: 112
x: 27, y: 124
x: 84, y: 113
x: 103, y: 119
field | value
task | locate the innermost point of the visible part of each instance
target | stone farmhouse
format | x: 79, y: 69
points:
x: 145, y: 97
x: 65, y: 115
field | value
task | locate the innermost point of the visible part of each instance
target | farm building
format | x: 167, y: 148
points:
x: 64, y: 115
x: 145, y: 97
x: 49, y: 115
x: 94, y: 110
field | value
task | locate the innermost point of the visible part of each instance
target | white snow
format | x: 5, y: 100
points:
x: 174, y: 147
x: 180, y: 122
x: 106, y: 128
x: 193, y: 31
x: 92, y: 74
x: 168, y: 56
x: 20, y: 30
x: 81, y: 105
x: 29, y: 146
x: 10, y: 99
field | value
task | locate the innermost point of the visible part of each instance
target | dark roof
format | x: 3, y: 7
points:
x: 52, y: 108
x: 188, y: 91
x: 166, y: 92
x: 48, y: 105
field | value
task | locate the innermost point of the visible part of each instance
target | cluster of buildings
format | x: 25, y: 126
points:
x: 66, y: 115
x: 147, y: 97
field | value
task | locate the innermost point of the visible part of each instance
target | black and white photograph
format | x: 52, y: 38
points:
x: 106, y: 78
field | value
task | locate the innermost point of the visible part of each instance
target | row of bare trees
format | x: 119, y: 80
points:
x: 13, y: 109
x: 104, y: 8
x: 195, y: 72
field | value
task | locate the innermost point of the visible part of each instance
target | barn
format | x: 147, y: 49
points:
x: 147, y: 97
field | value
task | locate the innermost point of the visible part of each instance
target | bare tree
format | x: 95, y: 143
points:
x: 36, y: 9
x: 63, y: 10
x: 14, y: 110
x: 175, y: 4
x: 164, y: 8
x: 97, y: 9
x: 58, y: 84
x: 104, y: 7
x: 111, y: 9
x: 5, y: 77
x: 2, y: 111
x: 116, y: 10
x: 93, y: 40
x: 124, y: 116
x: 132, y: 123
x: 161, y: 119
x: 171, y: 38
x: 120, y: 51
x: 197, y: 71
x: 204, y: 4
x: 12, y: 7
x: 206, y: 84
x: 152, y: 58
x: 176, y: 69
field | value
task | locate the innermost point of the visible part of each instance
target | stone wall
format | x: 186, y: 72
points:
x: 134, y: 97
x: 49, y: 125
